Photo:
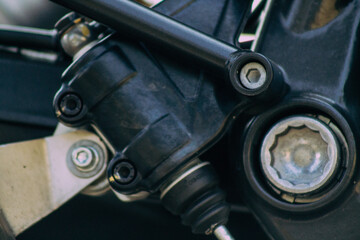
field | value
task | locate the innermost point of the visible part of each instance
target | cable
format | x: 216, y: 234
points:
x: 222, y: 233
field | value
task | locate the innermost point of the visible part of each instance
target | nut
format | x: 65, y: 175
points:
x: 300, y: 155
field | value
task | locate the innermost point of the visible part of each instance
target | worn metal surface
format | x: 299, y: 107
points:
x: 300, y: 154
x: 158, y: 30
x: 35, y: 179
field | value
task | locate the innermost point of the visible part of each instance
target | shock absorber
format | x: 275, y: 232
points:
x: 147, y: 127
x: 154, y: 133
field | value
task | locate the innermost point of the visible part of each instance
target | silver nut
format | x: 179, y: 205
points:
x: 76, y: 38
x: 300, y: 155
x: 84, y: 157
x: 253, y: 75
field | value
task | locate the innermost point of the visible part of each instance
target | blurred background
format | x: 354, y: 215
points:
x: 32, y: 13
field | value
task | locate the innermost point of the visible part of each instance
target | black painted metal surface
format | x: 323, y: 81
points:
x: 141, y: 23
x: 26, y: 37
x: 315, y: 42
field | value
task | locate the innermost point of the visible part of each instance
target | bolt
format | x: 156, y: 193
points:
x: 76, y: 37
x: 124, y: 172
x: 84, y: 157
x: 70, y: 105
x: 252, y: 75
x: 300, y: 155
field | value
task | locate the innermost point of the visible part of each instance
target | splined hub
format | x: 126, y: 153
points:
x: 300, y: 155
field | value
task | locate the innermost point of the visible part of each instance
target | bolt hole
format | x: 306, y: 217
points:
x: 70, y: 105
x: 124, y: 172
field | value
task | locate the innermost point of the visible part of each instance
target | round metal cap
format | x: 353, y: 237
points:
x: 300, y: 154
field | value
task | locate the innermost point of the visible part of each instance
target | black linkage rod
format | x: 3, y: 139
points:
x: 136, y: 21
x: 27, y: 37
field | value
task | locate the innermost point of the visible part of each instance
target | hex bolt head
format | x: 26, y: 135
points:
x: 85, y: 158
x: 82, y: 157
x: 300, y: 155
x: 252, y: 75
x: 70, y: 105
x: 124, y: 172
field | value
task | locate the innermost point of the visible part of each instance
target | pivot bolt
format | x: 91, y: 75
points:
x: 124, y: 172
x: 253, y: 75
x: 300, y: 155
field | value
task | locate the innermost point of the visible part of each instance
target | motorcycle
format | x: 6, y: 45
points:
x: 206, y: 108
